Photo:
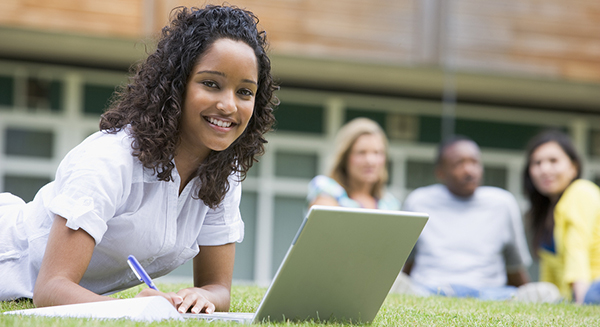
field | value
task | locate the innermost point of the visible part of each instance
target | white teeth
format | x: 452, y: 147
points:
x: 219, y: 123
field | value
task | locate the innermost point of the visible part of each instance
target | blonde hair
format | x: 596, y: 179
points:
x: 344, y: 141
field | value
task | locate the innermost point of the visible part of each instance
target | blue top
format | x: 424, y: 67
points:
x: 323, y: 185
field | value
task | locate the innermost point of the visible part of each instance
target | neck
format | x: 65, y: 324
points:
x: 187, y: 163
x: 359, y: 188
x: 362, y: 193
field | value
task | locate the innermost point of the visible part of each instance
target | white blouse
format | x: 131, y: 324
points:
x: 103, y: 189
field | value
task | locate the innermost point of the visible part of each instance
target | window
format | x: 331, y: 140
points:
x: 299, y: 118
x: 96, y: 98
x: 289, y: 214
x: 495, y: 176
x: 485, y: 133
x: 295, y: 165
x: 43, y: 94
x: 30, y: 143
x: 25, y: 187
x: 244, y: 252
x: 419, y: 173
x: 6, y: 91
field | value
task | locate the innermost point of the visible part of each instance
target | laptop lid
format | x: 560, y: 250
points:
x: 341, y: 265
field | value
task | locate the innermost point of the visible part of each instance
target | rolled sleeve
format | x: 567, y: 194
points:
x: 224, y: 224
x: 92, y: 182
x: 79, y: 214
x: 221, y: 234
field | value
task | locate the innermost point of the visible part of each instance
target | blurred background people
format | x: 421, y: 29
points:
x: 474, y: 243
x: 359, y: 174
x: 564, y: 216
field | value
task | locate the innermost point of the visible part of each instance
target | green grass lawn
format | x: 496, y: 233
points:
x: 397, y: 310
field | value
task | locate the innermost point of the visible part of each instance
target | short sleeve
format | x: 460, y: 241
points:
x: 408, y: 202
x: 389, y: 202
x: 90, y: 183
x: 517, y: 251
x: 224, y: 224
x: 323, y: 185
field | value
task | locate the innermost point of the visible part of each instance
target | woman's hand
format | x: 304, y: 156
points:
x: 194, y: 300
x: 173, y: 298
x: 213, y: 270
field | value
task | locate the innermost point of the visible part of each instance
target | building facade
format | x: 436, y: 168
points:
x: 497, y: 71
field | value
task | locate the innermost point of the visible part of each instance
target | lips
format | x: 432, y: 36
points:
x: 218, y: 122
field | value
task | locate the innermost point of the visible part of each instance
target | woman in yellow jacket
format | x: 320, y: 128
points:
x: 565, y: 217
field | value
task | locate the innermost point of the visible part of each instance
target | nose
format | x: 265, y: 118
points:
x: 373, y: 158
x: 472, y: 169
x: 226, y: 102
x: 545, y: 166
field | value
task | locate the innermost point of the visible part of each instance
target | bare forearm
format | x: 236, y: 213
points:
x: 60, y: 291
x: 518, y: 278
x: 580, y: 288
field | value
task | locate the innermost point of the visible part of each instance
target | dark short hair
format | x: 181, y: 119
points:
x: 153, y: 100
x: 448, y: 142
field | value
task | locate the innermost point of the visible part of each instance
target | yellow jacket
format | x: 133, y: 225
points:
x: 576, y: 237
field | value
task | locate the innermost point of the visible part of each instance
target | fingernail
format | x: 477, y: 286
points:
x: 181, y: 310
x: 195, y: 310
x: 178, y: 299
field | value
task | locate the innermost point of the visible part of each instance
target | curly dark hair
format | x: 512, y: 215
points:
x: 150, y: 105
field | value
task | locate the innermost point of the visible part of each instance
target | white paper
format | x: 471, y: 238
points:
x: 151, y: 308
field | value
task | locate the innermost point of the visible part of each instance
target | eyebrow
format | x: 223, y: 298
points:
x: 223, y: 74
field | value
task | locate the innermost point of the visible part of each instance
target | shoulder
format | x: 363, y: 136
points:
x: 323, y: 184
x: 583, y: 186
x: 581, y: 191
x: 425, y: 194
x: 104, y: 143
x: 427, y: 191
x: 496, y: 194
x: 101, y: 151
x: 389, y: 202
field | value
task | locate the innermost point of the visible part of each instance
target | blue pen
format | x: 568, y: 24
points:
x: 139, y: 271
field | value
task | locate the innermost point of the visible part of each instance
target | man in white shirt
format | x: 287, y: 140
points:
x: 473, y: 244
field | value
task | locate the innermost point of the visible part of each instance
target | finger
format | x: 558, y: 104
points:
x: 203, y: 305
x: 210, y: 308
x: 177, y: 299
x: 188, y: 301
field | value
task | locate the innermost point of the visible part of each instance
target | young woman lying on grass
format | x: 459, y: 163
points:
x: 160, y: 180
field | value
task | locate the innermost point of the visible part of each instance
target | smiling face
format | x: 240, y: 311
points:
x: 551, y: 170
x: 219, y: 98
x: 366, y: 159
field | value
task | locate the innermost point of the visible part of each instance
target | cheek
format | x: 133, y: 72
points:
x: 570, y: 172
x: 247, y: 112
x: 534, y: 173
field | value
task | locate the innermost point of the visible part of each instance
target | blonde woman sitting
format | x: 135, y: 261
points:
x: 359, y: 173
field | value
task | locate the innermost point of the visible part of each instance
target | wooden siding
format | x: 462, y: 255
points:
x: 113, y: 18
x: 533, y: 38
x: 379, y: 30
x: 543, y: 37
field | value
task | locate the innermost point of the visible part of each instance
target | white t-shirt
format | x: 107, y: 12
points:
x: 470, y: 241
x: 103, y: 189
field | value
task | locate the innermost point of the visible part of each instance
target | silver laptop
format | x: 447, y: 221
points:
x: 340, y: 267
